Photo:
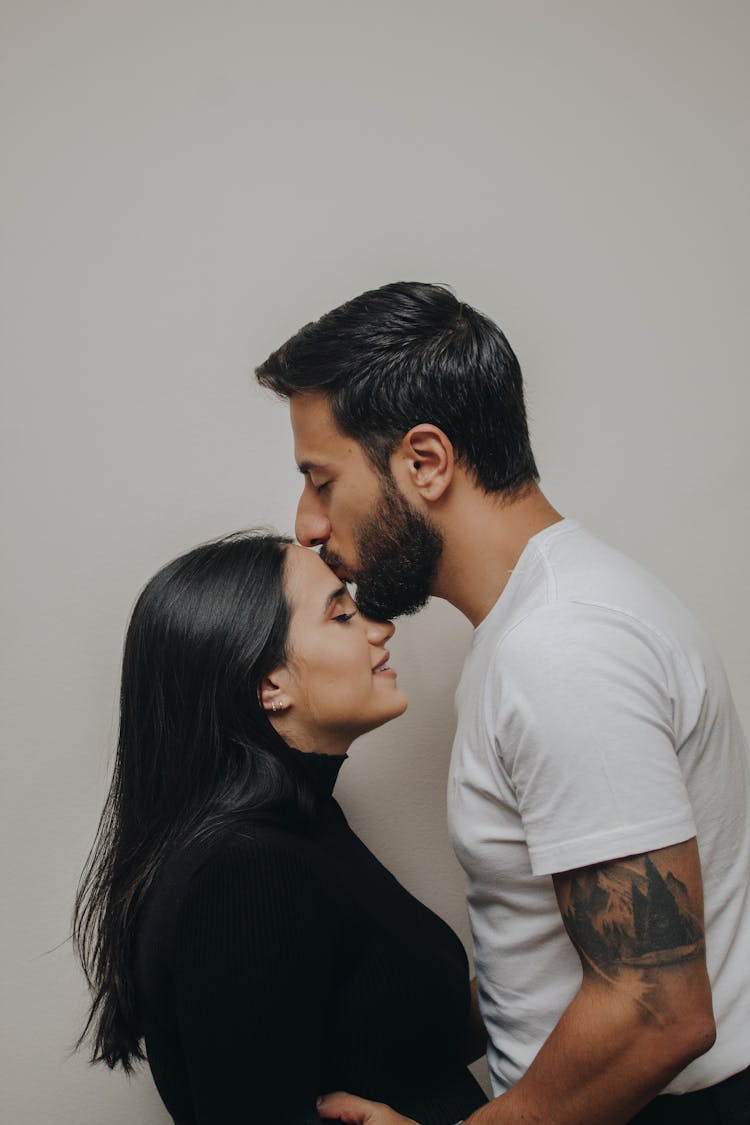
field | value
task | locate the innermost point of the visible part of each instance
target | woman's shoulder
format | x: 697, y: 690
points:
x: 233, y: 907
x: 252, y: 875
x: 243, y: 846
x: 255, y: 887
x: 257, y: 857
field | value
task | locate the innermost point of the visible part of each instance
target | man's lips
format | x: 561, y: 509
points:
x: 341, y: 572
x: 337, y: 565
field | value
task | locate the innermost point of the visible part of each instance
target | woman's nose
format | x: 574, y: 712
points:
x: 379, y: 632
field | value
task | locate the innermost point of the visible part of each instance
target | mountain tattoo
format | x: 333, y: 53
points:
x: 629, y: 918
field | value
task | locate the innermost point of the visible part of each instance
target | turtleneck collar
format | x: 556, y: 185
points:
x: 320, y: 770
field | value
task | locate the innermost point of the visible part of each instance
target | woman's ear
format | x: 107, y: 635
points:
x: 272, y: 694
x: 426, y: 461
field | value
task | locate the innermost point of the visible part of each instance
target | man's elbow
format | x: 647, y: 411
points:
x: 689, y: 1038
x: 703, y: 1035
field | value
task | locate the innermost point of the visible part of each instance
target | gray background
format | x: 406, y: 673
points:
x: 184, y: 185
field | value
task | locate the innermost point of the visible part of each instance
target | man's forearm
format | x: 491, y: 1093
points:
x: 600, y: 1063
x: 642, y: 1013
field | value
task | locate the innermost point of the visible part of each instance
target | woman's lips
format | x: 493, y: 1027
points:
x: 382, y: 669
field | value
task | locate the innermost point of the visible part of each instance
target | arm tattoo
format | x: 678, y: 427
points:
x: 629, y: 915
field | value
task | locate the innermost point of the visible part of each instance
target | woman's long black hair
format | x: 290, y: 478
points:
x: 195, y: 752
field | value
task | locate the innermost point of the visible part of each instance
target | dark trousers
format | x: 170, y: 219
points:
x: 727, y: 1103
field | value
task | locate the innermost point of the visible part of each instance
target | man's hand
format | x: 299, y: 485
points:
x: 357, y: 1111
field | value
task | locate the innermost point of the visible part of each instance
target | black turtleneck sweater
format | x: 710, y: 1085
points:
x: 277, y: 963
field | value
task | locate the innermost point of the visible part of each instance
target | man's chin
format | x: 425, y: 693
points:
x: 382, y: 605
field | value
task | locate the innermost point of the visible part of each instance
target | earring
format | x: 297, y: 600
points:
x: 277, y: 705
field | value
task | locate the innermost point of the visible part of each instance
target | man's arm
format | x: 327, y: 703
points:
x: 643, y: 1010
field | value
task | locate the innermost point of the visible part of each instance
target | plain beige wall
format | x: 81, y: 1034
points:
x: 184, y: 185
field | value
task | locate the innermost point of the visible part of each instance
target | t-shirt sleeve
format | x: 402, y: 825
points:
x: 583, y: 726
x: 253, y: 979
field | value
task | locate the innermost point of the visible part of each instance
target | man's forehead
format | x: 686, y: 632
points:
x: 311, y: 407
x: 317, y: 439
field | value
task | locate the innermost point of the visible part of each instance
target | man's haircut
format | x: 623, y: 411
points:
x: 407, y: 353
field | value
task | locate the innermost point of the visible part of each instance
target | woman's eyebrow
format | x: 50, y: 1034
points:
x: 334, y: 596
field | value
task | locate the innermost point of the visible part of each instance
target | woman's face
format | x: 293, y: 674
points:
x: 336, y: 684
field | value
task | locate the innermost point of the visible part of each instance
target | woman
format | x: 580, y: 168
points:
x: 228, y: 916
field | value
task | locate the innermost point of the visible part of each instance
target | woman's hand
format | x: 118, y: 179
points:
x: 357, y: 1111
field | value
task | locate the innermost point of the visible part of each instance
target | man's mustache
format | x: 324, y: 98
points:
x: 337, y: 564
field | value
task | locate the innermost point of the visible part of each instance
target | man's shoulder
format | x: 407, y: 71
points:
x: 583, y: 568
x: 572, y: 581
x: 562, y: 640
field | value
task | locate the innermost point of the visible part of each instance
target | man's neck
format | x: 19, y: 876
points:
x: 484, y: 537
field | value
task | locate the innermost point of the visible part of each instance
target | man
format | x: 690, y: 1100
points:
x: 599, y: 781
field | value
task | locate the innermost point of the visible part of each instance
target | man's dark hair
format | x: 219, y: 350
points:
x: 407, y: 353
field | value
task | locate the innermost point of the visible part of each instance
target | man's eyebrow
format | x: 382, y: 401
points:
x: 334, y: 596
x: 306, y: 467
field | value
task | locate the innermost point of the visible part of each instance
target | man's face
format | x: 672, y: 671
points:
x: 369, y: 532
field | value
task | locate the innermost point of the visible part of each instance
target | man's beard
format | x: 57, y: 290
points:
x: 398, y: 551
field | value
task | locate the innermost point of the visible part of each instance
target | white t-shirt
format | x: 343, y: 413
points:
x: 594, y: 721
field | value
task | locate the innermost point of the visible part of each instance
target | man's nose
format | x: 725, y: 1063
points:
x: 311, y: 527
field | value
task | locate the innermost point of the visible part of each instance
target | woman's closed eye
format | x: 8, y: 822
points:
x: 342, y: 617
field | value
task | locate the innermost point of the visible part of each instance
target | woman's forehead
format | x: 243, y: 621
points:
x: 308, y: 577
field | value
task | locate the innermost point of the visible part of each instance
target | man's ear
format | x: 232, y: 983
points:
x: 425, y: 460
